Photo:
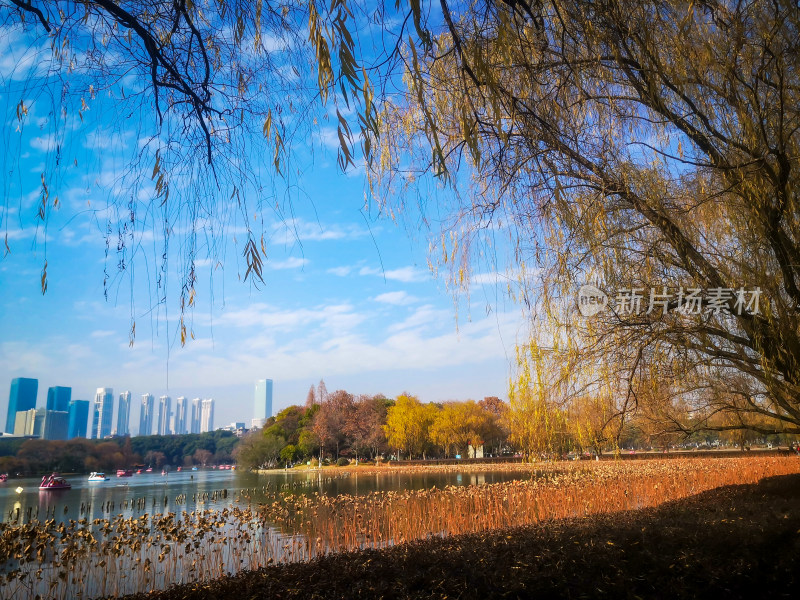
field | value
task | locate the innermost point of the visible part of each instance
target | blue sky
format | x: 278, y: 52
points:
x: 348, y: 295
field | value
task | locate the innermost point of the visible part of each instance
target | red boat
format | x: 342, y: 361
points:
x: 54, y: 482
x: 124, y: 473
x: 3, y: 477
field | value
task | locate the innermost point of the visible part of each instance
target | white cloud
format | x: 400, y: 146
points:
x: 101, y: 333
x: 332, y: 318
x: 403, y: 274
x: 328, y: 138
x: 424, y: 316
x: 340, y: 271
x: 21, y: 57
x: 289, y: 263
x: 301, y: 230
x: 45, y: 143
x: 396, y: 298
x: 346, y: 353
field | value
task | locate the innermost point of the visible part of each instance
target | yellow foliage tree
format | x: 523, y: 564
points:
x: 460, y: 424
x: 407, y: 425
x: 535, y: 422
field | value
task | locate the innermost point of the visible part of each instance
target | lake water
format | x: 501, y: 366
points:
x: 206, y: 489
x: 150, y: 531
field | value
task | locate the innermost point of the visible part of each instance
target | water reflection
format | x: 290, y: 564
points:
x: 189, y: 491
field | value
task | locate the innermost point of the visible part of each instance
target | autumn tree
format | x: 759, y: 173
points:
x: 535, y: 420
x: 593, y: 423
x: 322, y: 392
x: 458, y: 425
x: 259, y: 450
x: 200, y: 456
x: 329, y: 422
x: 496, y: 435
x: 288, y: 424
x: 408, y: 423
x: 364, y: 425
x: 311, y: 399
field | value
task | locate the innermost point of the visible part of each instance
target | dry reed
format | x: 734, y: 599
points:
x: 119, y: 555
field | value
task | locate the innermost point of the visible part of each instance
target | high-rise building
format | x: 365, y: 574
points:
x: 180, y: 415
x: 103, y: 413
x: 263, y: 402
x: 22, y: 397
x: 38, y: 422
x: 164, y: 413
x: 146, y: 415
x: 124, y: 414
x: 78, y: 418
x: 207, y: 415
x: 55, y: 424
x: 25, y: 422
x: 194, y: 425
x: 42, y: 423
x: 58, y: 398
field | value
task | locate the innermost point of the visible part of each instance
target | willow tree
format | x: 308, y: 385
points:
x: 536, y: 420
x: 648, y: 148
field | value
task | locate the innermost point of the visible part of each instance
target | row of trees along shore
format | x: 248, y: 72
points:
x: 81, y: 455
x: 342, y: 425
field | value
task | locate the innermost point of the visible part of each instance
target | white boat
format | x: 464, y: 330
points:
x: 95, y: 476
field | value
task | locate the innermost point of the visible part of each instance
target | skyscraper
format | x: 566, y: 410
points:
x: 180, y: 415
x: 164, y: 413
x: 22, y: 397
x: 25, y: 422
x: 207, y: 415
x: 55, y: 424
x: 194, y: 425
x: 263, y: 402
x: 58, y: 398
x: 78, y: 418
x: 146, y: 416
x: 103, y: 413
x: 124, y: 414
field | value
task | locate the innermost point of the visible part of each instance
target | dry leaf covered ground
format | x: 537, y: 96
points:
x: 732, y: 542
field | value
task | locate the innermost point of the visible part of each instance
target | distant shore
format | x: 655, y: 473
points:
x: 493, y: 463
x: 732, y: 542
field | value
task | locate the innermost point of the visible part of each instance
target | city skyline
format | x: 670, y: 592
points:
x: 195, y: 417
x: 103, y: 425
x: 24, y: 418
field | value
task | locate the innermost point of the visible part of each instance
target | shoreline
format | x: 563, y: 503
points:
x: 739, y: 541
x: 518, y: 464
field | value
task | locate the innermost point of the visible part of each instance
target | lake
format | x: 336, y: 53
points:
x: 208, y: 488
x: 149, y: 531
